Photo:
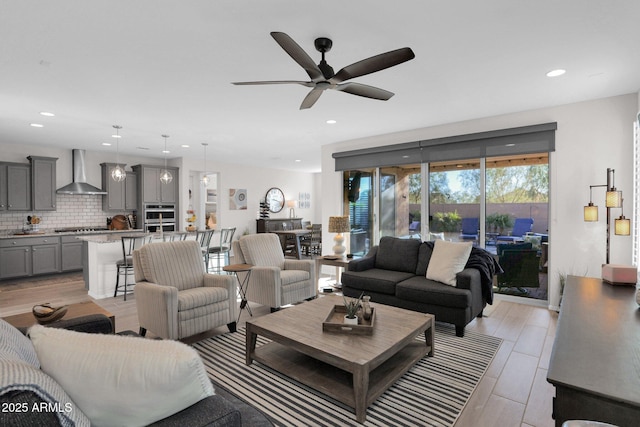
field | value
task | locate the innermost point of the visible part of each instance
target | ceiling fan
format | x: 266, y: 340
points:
x: 323, y: 77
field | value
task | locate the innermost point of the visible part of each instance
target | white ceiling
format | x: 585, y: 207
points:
x: 158, y: 67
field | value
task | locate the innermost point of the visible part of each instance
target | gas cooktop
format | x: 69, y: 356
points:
x: 87, y: 229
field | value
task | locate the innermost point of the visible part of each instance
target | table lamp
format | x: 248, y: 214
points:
x: 339, y: 224
x: 291, y: 204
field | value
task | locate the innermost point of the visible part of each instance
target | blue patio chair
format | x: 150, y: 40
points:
x: 470, y: 228
x: 521, y: 226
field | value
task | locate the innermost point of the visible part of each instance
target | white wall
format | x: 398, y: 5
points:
x: 256, y: 181
x: 591, y: 137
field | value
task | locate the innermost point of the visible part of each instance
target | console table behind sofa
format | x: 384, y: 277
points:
x: 595, y: 362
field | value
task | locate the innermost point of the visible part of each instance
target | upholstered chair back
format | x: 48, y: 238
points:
x: 178, y: 264
x: 263, y: 250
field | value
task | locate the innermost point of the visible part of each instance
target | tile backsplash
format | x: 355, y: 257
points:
x: 72, y: 211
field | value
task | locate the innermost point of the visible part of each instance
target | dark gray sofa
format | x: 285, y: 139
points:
x: 394, y: 273
x: 210, y: 411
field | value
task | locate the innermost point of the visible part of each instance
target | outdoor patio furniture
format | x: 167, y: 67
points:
x: 470, y: 229
x: 521, y: 226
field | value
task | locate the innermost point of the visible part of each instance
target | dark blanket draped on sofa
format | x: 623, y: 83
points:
x: 487, y: 265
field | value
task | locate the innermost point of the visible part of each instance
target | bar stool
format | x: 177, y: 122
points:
x: 129, y: 244
x: 223, y: 249
x: 204, y: 239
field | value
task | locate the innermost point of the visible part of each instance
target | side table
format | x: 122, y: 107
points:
x: 243, y: 284
x: 337, y: 262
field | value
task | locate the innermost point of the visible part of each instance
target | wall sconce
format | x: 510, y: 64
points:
x: 291, y: 204
x: 339, y: 224
x: 613, y: 199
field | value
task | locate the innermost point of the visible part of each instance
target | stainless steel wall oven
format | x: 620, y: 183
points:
x: 159, y: 215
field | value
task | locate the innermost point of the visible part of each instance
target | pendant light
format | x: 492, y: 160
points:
x: 117, y: 173
x: 165, y: 175
x: 205, y: 178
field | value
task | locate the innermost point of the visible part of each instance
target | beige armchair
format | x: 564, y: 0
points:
x: 274, y: 281
x: 175, y: 298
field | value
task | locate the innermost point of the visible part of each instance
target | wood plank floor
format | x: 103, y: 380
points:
x: 513, y: 392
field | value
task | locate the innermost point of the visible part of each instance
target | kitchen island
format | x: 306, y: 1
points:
x: 100, y: 253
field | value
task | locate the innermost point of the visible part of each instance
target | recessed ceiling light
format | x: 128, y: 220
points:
x: 106, y: 144
x: 116, y: 136
x: 298, y: 160
x: 36, y: 125
x: 556, y: 73
x: 47, y: 114
x: 509, y: 145
x: 166, y: 151
x: 331, y: 122
x: 405, y: 156
x: 184, y: 146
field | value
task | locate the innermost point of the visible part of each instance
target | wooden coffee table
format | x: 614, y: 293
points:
x: 354, y: 369
x: 24, y: 320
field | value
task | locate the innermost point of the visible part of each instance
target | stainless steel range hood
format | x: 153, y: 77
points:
x: 79, y: 184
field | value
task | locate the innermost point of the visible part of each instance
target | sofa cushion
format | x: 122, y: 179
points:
x: 397, y: 254
x: 422, y: 290
x: 375, y: 280
x: 424, y: 256
x: 447, y: 260
x: 18, y: 376
x: 15, y: 346
x: 122, y: 380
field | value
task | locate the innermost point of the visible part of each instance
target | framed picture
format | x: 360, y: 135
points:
x: 212, y: 197
x: 237, y: 199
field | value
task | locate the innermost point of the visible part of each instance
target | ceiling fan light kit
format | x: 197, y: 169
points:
x: 323, y: 77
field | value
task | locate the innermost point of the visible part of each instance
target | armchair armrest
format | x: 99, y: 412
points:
x: 300, y: 264
x: 159, y: 311
x: 220, y: 281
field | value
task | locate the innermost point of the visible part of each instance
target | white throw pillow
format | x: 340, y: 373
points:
x: 122, y: 380
x: 447, y: 260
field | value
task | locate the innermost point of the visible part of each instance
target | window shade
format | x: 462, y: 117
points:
x: 513, y: 141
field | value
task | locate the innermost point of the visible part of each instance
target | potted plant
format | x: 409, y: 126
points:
x: 351, y: 306
x: 498, y: 222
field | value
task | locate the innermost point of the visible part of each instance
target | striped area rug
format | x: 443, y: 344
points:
x: 432, y: 393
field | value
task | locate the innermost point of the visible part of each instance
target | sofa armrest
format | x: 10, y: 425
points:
x: 211, y: 411
x: 157, y: 307
x: 467, y: 278
x: 365, y: 263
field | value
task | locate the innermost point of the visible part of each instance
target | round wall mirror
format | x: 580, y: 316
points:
x: 275, y: 199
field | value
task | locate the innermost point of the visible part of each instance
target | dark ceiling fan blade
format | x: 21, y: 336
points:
x: 373, y: 64
x: 298, y: 54
x: 276, y: 82
x: 365, y: 90
x: 311, y: 98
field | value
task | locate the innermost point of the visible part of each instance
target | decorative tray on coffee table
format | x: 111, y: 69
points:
x: 335, y: 322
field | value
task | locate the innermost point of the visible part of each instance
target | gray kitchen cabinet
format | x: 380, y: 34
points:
x: 71, y: 252
x: 43, y: 183
x: 131, y: 191
x: 114, y: 200
x: 152, y: 189
x: 3, y: 187
x: 121, y: 196
x: 29, y: 256
x: 18, y: 187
